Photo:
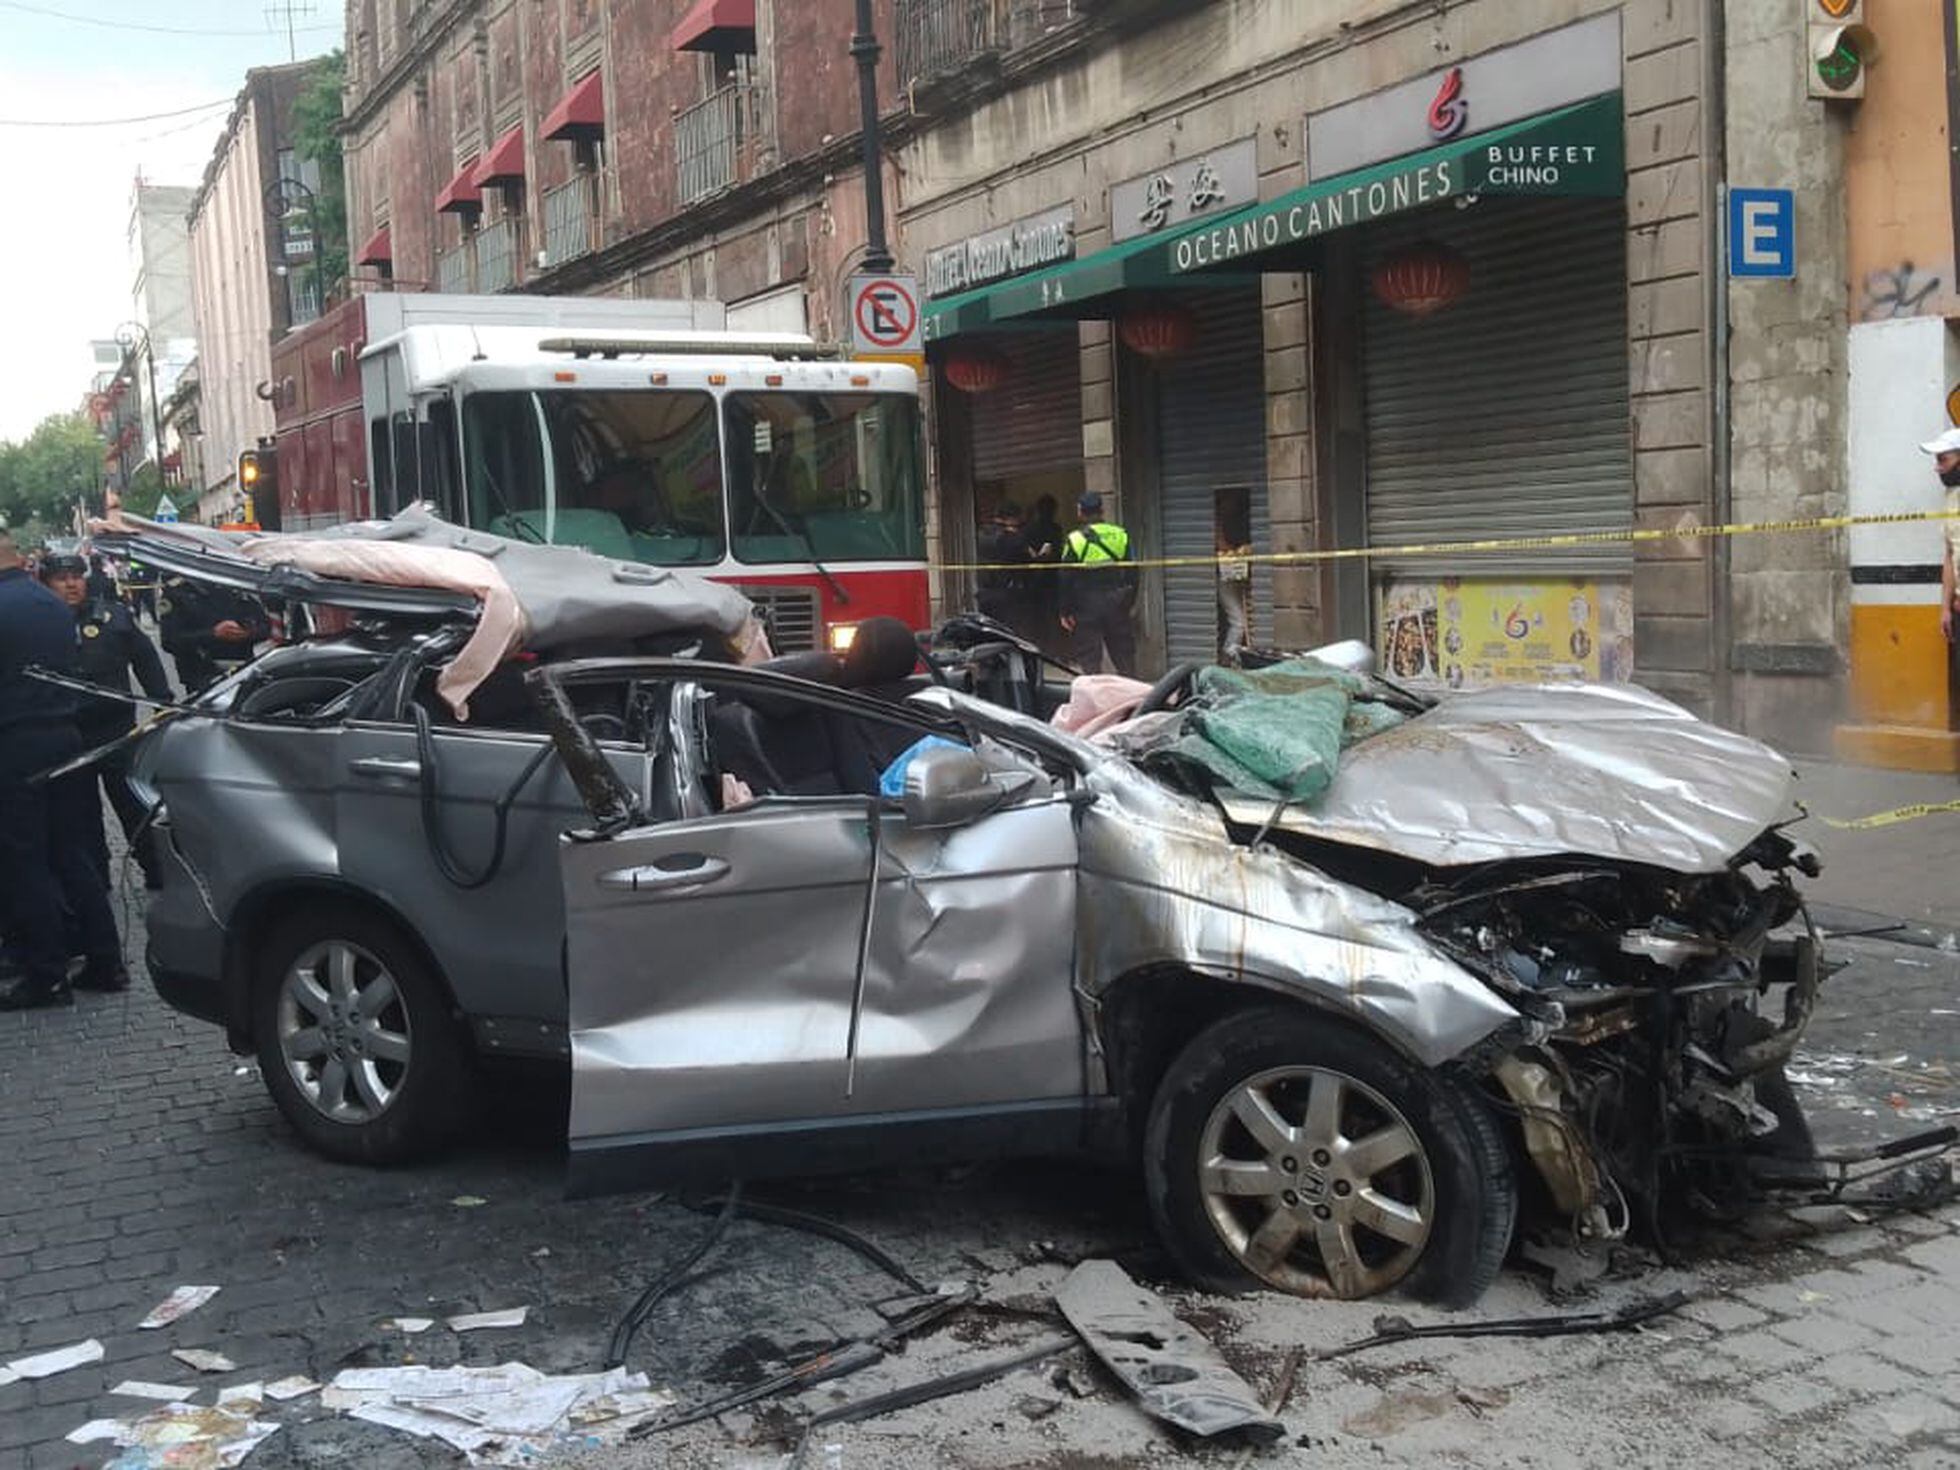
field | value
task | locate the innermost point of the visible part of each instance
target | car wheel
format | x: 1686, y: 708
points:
x: 1292, y: 1151
x: 355, y: 1040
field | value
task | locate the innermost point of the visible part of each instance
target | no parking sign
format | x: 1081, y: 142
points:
x: 885, y: 316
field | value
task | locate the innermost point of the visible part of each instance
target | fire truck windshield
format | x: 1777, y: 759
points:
x: 638, y: 474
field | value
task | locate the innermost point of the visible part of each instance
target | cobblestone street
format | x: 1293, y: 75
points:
x: 139, y: 1155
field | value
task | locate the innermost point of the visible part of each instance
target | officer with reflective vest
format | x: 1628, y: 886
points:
x: 205, y: 627
x: 109, y: 648
x: 1098, y: 591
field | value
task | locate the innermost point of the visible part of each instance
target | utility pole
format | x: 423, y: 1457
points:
x: 864, y: 46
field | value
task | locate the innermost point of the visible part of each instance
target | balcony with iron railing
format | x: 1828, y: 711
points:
x: 456, y: 271
x: 940, y: 38
x: 570, y: 221
x: 499, y: 250
x: 714, y: 140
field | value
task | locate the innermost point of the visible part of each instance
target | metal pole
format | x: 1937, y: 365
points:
x: 864, y: 46
x: 156, y: 409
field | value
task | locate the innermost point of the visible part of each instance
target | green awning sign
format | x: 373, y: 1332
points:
x: 1577, y: 151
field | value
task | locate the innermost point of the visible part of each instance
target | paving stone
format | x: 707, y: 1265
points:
x: 1823, y: 1332
x: 1940, y: 1254
x: 1724, y: 1314
x: 1761, y: 1350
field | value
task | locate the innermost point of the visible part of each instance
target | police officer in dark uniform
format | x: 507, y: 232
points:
x: 110, y: 648
x: 47, y: 878
x: 1098, y: 591
x: 206, y: 629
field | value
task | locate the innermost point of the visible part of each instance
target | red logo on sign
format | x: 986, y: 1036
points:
x: 1449, y: 114
x: 886, y: 314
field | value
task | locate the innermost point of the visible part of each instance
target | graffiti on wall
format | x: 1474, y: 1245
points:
x: 1901, y: 290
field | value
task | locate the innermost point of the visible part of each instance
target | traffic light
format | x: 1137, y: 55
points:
x: 258, y: 479
x: 1839, y: 47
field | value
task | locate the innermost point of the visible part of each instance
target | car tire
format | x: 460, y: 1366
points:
x: 355, y: 1038
x: 1298, y: 1205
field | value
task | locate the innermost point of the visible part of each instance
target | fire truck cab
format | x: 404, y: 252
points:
x: 641, y: 430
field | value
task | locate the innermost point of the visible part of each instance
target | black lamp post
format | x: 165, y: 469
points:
x: 864, y: 46
x: 283, y: 199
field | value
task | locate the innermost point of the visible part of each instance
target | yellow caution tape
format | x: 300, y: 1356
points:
x: 1892, y: 818
x: 1632, y: 535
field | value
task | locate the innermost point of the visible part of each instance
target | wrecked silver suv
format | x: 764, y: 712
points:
x: 1531, y: 948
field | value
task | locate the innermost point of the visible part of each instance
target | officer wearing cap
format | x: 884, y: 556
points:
x: 204, y: 628
x: 1098, y: 591
x: 47, y: 878
x: 1946, y: 464
x: 110, y: 647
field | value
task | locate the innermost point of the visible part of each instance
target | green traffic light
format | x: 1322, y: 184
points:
x: 1840, y: 69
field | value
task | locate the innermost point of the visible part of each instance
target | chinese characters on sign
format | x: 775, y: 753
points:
x: 1184, y: 190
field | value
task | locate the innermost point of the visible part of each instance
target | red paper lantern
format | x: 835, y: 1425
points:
x: 1421, y: 279
x: 973, y: 368
x: 1159, y: 331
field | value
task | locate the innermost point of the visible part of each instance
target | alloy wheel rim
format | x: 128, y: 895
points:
x: 1316, y: 1183
x: 343, y: 1031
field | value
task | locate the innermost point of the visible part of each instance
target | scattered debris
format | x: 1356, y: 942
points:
x: 939, y: 1388
x: 95, y: 1429
x: 1070, y: 1382
x: 510, y: 1414
x: 297, y: 1386
x: 1034, y: 1408
x: 179, y: 1304
x: 184, y: 1437
x: 57, y: 1360
x: 242, y: 1393
x: 471, y: 1321
x: 410, y: 1324
x: 469, y: 1201
x: 540, y: 1253
x: 204, y: 1360
x: 168, y: 1393
x: 1175, y: 1373
x: 1624, y: 1319
x: 1396, y: 1411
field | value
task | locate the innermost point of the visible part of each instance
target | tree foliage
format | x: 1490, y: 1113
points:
x: 316, y: 137
x: 44, y: 476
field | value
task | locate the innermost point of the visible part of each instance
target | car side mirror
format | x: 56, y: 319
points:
x: 946, y: 787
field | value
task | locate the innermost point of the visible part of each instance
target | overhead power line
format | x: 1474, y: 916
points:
x: 111, y: 122
x: 131, y: 25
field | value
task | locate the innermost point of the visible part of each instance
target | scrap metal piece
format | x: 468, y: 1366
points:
x: 1398, y: 1329
x: 939, y: 1388
x: 1174, y: 1372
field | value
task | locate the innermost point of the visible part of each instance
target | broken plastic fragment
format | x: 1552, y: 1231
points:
x: 297, y: 1386
x: 469, y: 1201
x: 180, y: 1303
x: 168, y: 1393
x: 410, y: 1324
x: 470, y: 1321
x: 94, y: 1430
x: 204, y: 1360
x: 57, y: 1360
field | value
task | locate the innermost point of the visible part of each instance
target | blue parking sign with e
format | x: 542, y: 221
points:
x: 1763, y: 232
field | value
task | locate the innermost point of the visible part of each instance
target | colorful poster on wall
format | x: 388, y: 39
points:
x: 1468, y: 633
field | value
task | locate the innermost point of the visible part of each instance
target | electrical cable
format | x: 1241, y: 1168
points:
x: 830, y: 1230
x: 431, y: 794
x: 670, y: 1280
x: 113, y: 122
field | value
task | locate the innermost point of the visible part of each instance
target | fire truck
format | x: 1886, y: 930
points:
x: 641, y: 430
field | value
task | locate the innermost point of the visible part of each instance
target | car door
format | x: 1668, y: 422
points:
x: 712, y: 967
x: 497, y: 941
x: 743, y: 1001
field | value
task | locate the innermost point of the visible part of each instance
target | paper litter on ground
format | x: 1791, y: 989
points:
x: 510, y: 1414
x: 203, y: 1359
x: 169, y: 1393
x: 180, y: 1303
x: 242, y: 1393
x: 184, y: 1437
x: 95, y: 1429
x: 410, y: 1324
x: 470, y: 1321
x: 469, y: 1201
x: 297, y: 1386
x: 56, y: 1360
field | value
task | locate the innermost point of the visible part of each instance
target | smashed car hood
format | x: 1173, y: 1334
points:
x: 1607, y: 771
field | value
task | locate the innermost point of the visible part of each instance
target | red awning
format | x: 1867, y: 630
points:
x: 379, y: 250
x: 580, y: 113
x: 504, y: 163
x: 460, y: 193
x: 717, y: 25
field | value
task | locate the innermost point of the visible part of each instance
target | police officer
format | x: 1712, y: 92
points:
x: 110, y: 648
x: 47, y: 878
x: 206, y: 627
x: 1099, y: 590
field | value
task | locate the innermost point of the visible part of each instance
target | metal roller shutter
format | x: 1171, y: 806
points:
x: 1506, y: 413
x: 1032, y: 423
x: 1212, y: 436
